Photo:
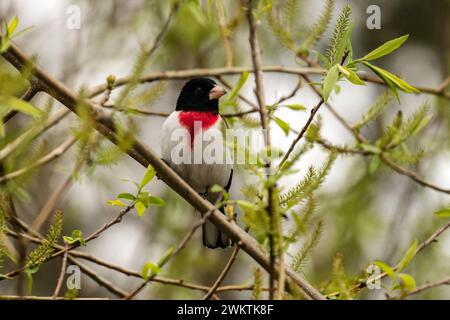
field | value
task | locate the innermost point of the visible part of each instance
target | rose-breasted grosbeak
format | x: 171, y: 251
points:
x: 186, y: 134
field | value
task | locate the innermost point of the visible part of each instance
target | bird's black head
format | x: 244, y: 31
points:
x: 200, y: 94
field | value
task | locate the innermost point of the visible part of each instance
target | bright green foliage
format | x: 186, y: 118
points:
x: 391, y: 80
x: 8, y: 103
x: 149, y: 270
x: 374, y: 110
x: 39, y: 255
x: 385, y: 49
x: 340, y: 286
x: 350, y: 75
x: 330, y: 81
x: 443, y: 213
x: 339, y: 38
x: 71, y: 294
x: 142, y: 199
x: 400, y: 282
x: 399, y: 131
x: 12, y: 84
x: 300, y: 149
x: 302, y: 255
x: 75, y: 237
x: 403, y: 155
x: 283, y: 125
x: 10, y: 33
x: 310, y: 182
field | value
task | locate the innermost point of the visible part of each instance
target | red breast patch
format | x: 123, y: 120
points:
x: 189, y: 118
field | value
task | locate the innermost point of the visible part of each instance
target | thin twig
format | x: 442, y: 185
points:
x: 301, y: 133
x: 61, y: 274
x: 291, y: 94
x: 223, y: 274
x: 410, y: 174
x: 97, y: 278
x: 179, y: 247
x: 214, y: 72
x: 54, y: 154
x: 430, y: 285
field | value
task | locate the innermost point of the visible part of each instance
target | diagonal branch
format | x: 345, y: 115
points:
x: 146, y: 156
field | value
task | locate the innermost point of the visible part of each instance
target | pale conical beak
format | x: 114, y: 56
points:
x: 216, y: 92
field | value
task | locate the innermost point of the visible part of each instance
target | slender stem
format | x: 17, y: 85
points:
x: 61, y: 274
x: 301, y: 133
x: 180, y: 246
x: 223, y: 274
x: 97, y: 278
x: 265, y: 122
x: 214, y: 72
x: 54, y: 154
x: 430, y: 285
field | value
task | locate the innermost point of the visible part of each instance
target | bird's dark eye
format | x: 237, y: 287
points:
x: 198, y: 91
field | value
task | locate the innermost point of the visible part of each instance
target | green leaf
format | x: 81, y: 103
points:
x: 76, y: 236
x: 126, y: 195
x: 330, y: 82
x: 369, y: 148
x: 148, y: 176
x: 156, y: 201
x: 350, y: 75
x: 283, y: 125
x: 13, y: 103
x: 407, y: 281
x: 385, y: 48
x: 29, y: 272
x: 374, y: 164
x: 296, y: 107
x: 116, y: 203
x: 409, y: 255
x: 12, y: 25
x: 247, y: 205
x: 422, y: 124
x: 140, y: 208
x: 166, y: 256
x: 149, y: 269
x: 345, y: 42
x: 238, y: 86
x: 385, y: 268
x: 21, y: 32
x: 217, y: 188
x: 443, y: 213
x: 391, y: 79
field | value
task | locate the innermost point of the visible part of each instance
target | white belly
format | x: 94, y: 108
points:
x: 204, y: 162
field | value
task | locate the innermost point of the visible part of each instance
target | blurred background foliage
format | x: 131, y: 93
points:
x: 366, y: 216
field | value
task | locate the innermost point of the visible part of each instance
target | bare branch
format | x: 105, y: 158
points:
x: 61, y: 274
x: 223, y: 274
